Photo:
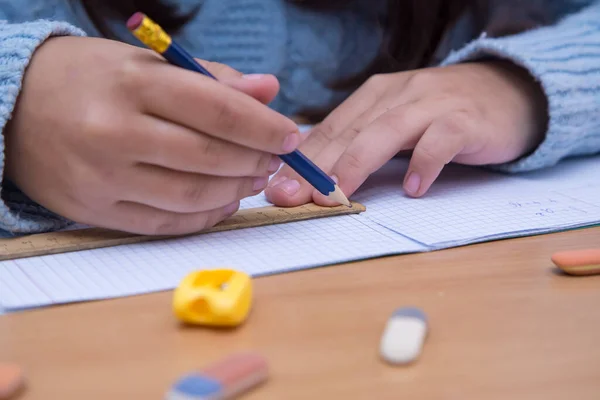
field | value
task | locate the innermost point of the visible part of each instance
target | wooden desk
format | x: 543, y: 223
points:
x: 504, y: 325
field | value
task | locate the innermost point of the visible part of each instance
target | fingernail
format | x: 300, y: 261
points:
x: 231, y: 208
x: 412, y: 183
x: 290, y: 143
x: 274, y: 164
x: 260, y: 183
x: 277, y: 181
x: 290, y: 186
x: 335, y: 179
x: 253, y: 77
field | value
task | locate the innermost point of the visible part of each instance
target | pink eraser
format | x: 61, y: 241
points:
x: 225, y: 379
x: 135, y: 21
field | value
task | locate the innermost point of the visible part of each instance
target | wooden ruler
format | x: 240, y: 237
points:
x: 94, y: 238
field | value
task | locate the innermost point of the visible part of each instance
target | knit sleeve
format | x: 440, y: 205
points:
x: 18, y: 42
x: 565, y: 59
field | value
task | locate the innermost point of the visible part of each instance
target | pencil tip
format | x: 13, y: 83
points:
x: 338, y: 196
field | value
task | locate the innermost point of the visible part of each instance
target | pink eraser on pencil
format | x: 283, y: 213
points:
x: 135, y: 21
x: 225, y: 379
x: 578, y: 262
x: 12, y: 380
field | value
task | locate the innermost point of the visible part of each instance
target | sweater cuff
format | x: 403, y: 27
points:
x: 18, y: 42
x: 565, y: 60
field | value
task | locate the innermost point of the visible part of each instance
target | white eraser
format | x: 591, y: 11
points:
x: 404, y: 335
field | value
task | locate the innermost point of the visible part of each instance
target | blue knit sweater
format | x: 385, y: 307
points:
x: 307, y: 49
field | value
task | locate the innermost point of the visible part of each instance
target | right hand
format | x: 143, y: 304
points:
x: 110, y: 135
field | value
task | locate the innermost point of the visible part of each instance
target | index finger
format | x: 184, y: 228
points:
x: 202, y: 104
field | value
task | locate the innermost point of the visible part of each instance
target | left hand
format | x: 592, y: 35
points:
x: 473, y: 113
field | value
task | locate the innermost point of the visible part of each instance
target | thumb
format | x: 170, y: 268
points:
x: 263, y: 88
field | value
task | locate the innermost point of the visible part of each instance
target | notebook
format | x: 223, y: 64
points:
x: 466, y: 205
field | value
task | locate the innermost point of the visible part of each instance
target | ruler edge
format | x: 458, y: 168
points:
x: 129, y: 238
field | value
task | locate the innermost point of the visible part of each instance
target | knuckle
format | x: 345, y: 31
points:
x: 132, y: 73
x: 110, y: 135
x: 193, y: 193
x: 375, y: 81
x: 210, y: 152
x: 324, y: 132
x: 244, y: 188
x: 347, y: 137
x: 164, y: 225
x: 94, y: 121
x: 226, y: 117
x: 375, y: 87
x: 456, y: 123
x: 352, y: 160
x: 270, y: 138
x: 99, y: 126
x: 395, y: 123
x: 397, y: 117
x: 420, y: 79
x: 263, y: 164
x: 211, y: 219
x: 425, y: 153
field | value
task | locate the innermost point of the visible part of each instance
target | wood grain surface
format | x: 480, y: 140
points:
x: 504, y: 325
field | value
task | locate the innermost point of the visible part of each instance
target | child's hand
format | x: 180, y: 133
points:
x: 480, y: 113
x: 111, y: 135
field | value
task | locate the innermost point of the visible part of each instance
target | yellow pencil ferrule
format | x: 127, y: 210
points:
x: 152, y: 35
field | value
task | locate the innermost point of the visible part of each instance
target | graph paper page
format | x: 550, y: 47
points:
x: 468, y: 205
x: 154, y: 266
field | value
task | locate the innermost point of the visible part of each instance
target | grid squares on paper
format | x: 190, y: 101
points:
x: 148, y: 267
x: 467, y: 205
x: 589, y: 194
x: 433, y: 222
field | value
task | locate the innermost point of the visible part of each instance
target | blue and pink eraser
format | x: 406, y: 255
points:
x: 225, y: 379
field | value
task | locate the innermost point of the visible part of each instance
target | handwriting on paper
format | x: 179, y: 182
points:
x: 549, y: 206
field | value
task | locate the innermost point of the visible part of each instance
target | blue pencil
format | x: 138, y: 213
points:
x: 158, y: 40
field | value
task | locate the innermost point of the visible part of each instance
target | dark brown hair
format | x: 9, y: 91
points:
x: 167, y: 15
x: 413, y: 28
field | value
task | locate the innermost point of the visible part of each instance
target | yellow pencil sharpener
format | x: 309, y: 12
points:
x: 220, y: 297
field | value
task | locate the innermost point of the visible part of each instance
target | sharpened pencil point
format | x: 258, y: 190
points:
x: 338, y: 196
